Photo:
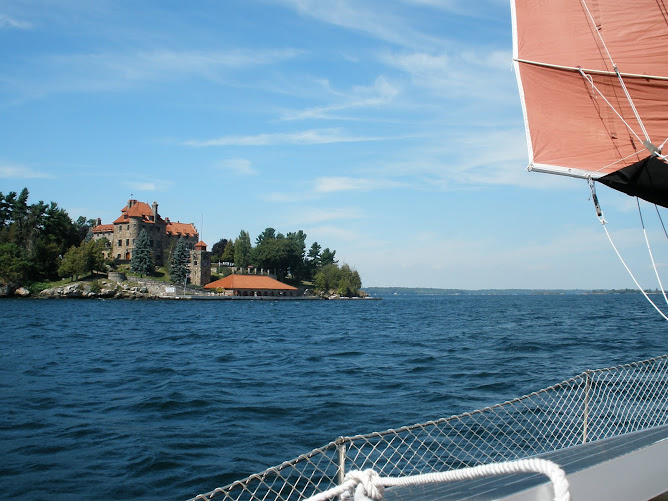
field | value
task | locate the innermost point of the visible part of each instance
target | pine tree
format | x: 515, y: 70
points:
x: 142, y: 258
x: 178, y: 268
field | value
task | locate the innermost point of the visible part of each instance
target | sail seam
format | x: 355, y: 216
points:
x: 589, y: 70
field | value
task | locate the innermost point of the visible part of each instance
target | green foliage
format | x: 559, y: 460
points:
x: 228, y: 253
x: 344, y: 281
x: 82, y: 260
x: 43, y: 233
x: 142, y: 255
x: 327, y: 278
x: 178, y: 268
x: 95, y: 286
x: 327, y: 257
x: 14, y: 268
x: 217, y: 249
x: 72, y: 263
x: 242, y: 250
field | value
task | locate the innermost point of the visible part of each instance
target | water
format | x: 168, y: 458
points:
x: 147, y: 399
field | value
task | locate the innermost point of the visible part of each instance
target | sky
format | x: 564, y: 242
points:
x: 388, y: 130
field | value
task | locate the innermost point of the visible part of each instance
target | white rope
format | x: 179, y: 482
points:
x: 649, y: 249
x: 593, y: 86
x: 599, y: 214
x: 367, y: 485
x: 619, y: 76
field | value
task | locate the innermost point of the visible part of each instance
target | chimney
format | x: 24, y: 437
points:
x: 131, y: 203
x: 99, y: 221
x: 154, y: 206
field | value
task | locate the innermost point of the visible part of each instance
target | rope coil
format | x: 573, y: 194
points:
x: 368, y: 485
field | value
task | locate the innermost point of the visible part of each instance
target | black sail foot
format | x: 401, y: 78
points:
x: 646, y: 179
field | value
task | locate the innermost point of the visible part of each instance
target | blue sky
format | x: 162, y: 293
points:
x: 390, y: 131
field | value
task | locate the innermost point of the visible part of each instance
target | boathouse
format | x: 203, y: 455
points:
x: 251, y: 285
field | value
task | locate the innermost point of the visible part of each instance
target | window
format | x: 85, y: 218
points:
x: 127, y: 241
x: 151, y: 241
x: 120, y: 244
x: 118, y: 256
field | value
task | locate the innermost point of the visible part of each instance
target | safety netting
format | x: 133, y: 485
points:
x: 593, y: 405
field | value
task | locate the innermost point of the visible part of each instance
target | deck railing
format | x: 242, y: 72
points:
x: 591, y: 406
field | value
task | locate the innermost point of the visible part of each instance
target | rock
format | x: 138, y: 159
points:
x: 22, y: 292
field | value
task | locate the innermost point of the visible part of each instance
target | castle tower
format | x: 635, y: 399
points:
x: 200, y: 265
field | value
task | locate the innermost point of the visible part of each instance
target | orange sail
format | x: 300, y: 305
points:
x: 593, y: 80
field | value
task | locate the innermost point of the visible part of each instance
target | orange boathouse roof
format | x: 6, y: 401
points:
x: 257, y: 282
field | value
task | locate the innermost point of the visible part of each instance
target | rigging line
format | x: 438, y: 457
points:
x: 593, y: 86
x: 599, y: 214
x: 618, y: 161
x: 649, y: 249
x: 619, y: 76
x: 661, y: 220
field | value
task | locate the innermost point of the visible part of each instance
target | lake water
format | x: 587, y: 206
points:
x: 168, y: 399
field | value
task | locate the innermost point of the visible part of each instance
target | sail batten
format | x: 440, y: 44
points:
x: 593, y: 83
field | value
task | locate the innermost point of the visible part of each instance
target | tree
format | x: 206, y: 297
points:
x: 142, y: 255
x: 327, y: 279
x: 327, y: 257
x: 178, y: 268
x: 14, y: 268
x: 82, y: 260
x: 350, y: 282
x: 72, y: 264
x: 345, y: 281
x: 242, y: 250
x: 228, y: 253
x: 218, y: 249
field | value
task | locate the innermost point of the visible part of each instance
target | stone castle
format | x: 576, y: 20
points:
x: 163, y: 235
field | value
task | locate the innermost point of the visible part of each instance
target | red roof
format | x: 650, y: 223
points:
x: 200, y: 245
x: 138, y: 209
x: 182, y: 229
x: 104, y: 228
x: 257, y: 282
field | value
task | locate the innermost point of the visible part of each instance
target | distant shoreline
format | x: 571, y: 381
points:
x: 430, y: 291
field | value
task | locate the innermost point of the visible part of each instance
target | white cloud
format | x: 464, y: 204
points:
x: 160, y: 185
x: 379, y: 94
x: 113, y: 71
x: 332, y: 214
x: 313, y: 136
x: 7, y: 22
x: 21, y: 172
x: 334, y: 184
x: 378, y: 21
x: 239, y: 166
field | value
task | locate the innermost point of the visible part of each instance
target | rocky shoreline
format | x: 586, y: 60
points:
x: 136, y: 288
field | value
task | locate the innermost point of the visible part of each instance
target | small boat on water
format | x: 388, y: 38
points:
x: 593, y: 81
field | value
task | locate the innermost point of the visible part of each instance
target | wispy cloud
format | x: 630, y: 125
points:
x: 334, y: 184
x: 380, y: 93
x: 374, y: 20
x: 21, y: 172
x: 332, y: 214
x: 7, y: 22
x: 160, y: 185
x: 114, y: 71
x: 313, y: 136
x: 240, y: 166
